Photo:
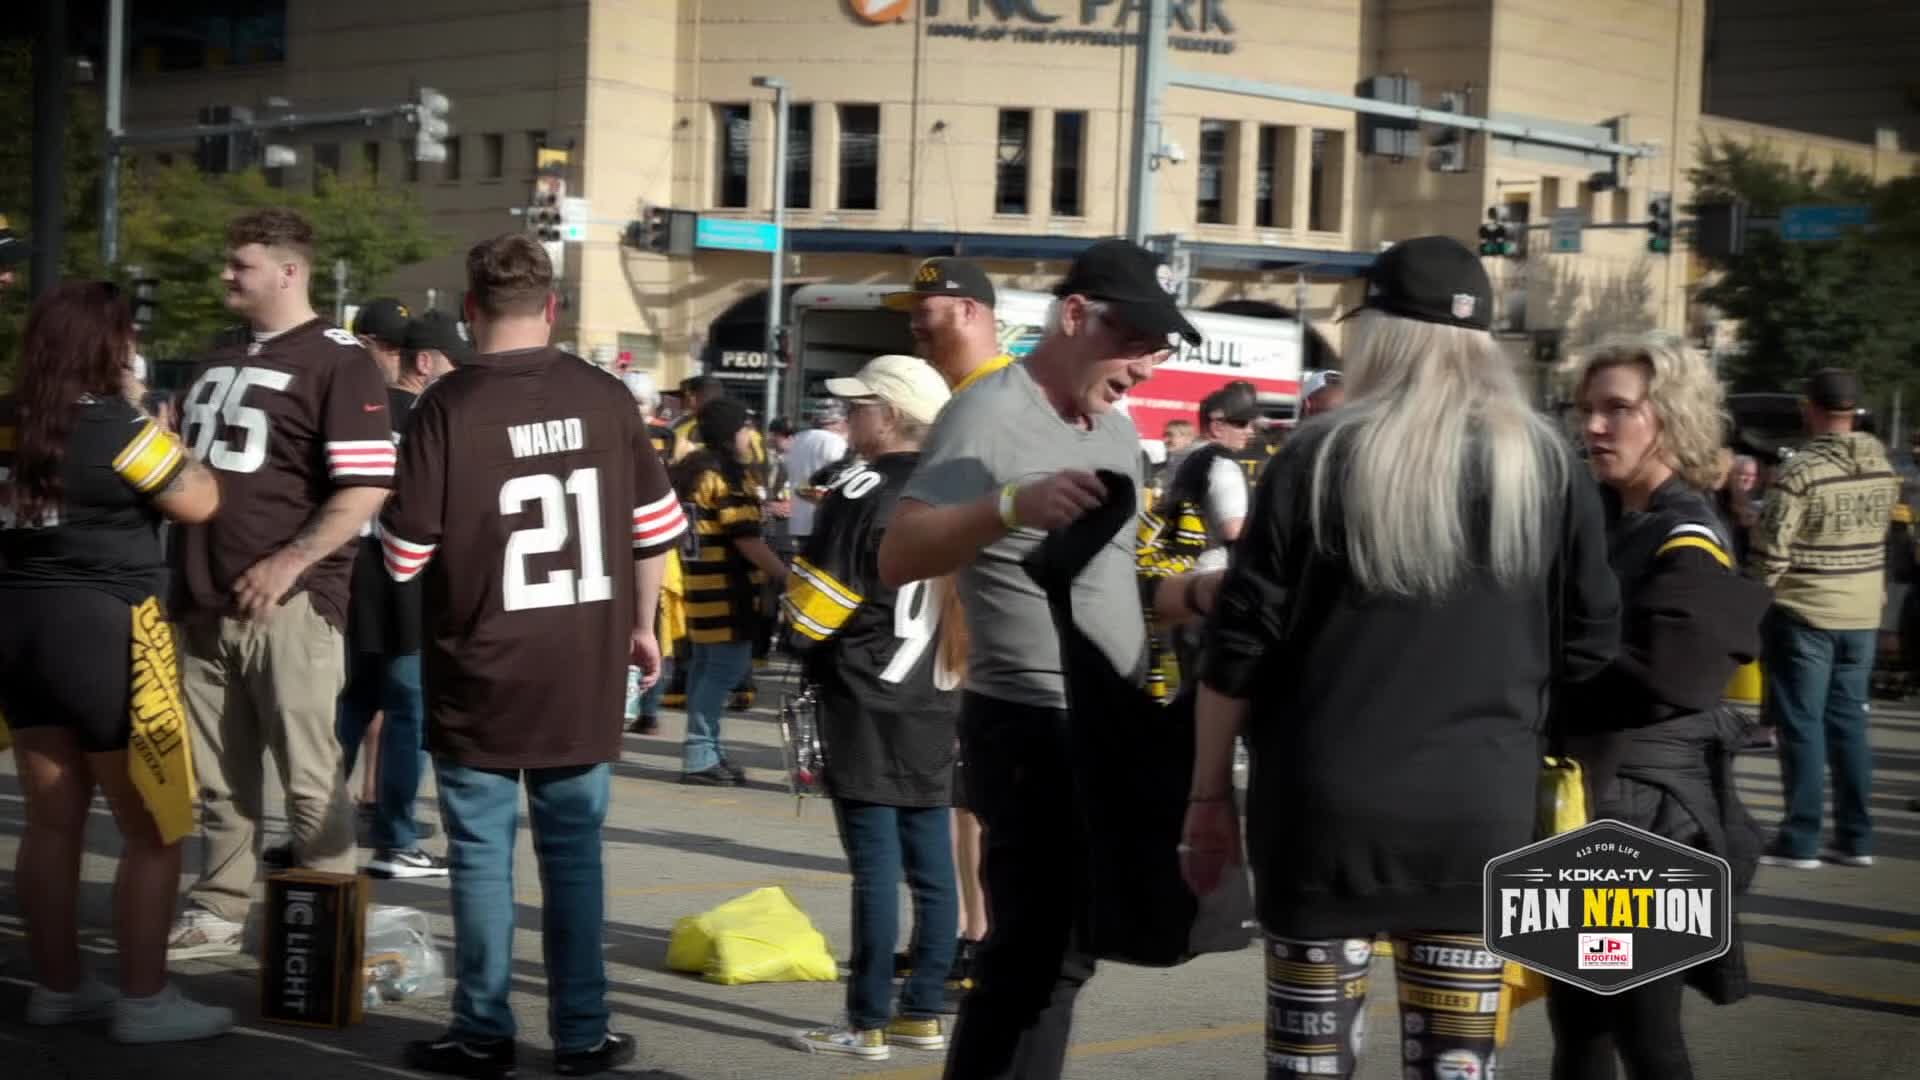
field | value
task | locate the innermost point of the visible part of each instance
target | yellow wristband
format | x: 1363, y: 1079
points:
x: 1007, y: 516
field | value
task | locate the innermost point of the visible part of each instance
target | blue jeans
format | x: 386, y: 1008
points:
x: 1816, y: 691
x: 712, y: 673
x: 390, y: 685
x: 566, y: 807
x: 880, y: 841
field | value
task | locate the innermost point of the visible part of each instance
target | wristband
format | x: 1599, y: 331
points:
x: 1007, y: 515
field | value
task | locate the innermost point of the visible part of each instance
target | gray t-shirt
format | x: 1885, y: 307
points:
x: 1001, y: 431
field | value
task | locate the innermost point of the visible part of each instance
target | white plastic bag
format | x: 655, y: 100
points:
x: 401, y: 961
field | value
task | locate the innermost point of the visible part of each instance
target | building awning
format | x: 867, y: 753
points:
x: 924, y: 243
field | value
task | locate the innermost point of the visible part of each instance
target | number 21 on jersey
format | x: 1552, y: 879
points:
x: 591, y: 584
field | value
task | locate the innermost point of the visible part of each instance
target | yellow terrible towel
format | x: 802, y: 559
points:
x: 159, y: 756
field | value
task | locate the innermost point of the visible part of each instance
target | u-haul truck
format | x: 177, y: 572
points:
x: 837, y: 328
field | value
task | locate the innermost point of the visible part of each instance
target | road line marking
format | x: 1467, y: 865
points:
x: 818, y: 880
x: 1182, y: 1037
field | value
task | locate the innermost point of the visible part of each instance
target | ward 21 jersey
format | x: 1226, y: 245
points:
x: 528, y: 487
x: 875, y: 647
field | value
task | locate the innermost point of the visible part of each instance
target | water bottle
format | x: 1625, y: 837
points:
x: 633, y: 694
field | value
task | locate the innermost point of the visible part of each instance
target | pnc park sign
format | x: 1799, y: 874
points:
x: 1608, y: 907
x: 1197, y: 25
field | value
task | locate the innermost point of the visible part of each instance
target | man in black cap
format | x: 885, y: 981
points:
x: 381, y: 325
x: 384, y: 619
x: 13, y: 252
x: 954, y: 329
x: 1821, y: 545
x: 1009, y: 460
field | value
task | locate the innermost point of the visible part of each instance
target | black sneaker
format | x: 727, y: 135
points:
x: 645, y: 725
x: 739, y: 774
x: 717, y: 776
x: 278, y: 857
x: 902, y: 965
x: 614, y: 1051
x: 488, y: 1059
x: 388, y: 863
x: 960, y: 976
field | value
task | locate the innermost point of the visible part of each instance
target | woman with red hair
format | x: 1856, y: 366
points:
x: 85, y: 477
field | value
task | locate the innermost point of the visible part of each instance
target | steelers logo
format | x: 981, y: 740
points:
x: 879, y: 12
x: 1316, y: 956
x: 1357, y: 951
x: 1414, y: 1023
x: 1164, y: 275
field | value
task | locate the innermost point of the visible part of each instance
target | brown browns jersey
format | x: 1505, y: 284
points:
x: 528, y: 487
x: 284, y: 423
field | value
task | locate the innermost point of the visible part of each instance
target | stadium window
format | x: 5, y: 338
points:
x: 1069, y: 150
x: 859, y: 157
x: 1010, y: 161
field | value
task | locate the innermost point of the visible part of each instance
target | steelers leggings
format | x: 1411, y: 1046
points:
x: 1317, y: 1005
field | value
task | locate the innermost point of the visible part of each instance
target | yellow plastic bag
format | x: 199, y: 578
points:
x: 760, y: 937
x: 1562, y: 808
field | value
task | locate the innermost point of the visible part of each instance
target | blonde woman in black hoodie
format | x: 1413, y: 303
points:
x: 1385, y: 639
x: 1649, y: 730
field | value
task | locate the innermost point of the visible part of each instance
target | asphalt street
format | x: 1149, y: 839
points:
x: 1835, y: 955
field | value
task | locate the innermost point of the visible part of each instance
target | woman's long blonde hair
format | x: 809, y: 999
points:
x: 1687, y: 399
x: 1436, y: 425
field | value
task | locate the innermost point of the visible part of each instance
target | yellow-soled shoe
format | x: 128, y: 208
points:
x: 917, y: 1033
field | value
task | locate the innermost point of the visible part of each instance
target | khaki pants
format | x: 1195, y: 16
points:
x: 266, y: 686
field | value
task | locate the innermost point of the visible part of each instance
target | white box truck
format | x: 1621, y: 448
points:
x: 837, y: 328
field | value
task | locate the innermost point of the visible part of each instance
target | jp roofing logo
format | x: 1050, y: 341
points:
x: 1608, y: 907
x: 879, y: 12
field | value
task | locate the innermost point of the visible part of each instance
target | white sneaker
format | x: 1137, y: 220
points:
x: 91, y: 1000
x: 1844, y: 859
x: 168, y: 1016
x: 199, y: 932
x: 842, y: 1038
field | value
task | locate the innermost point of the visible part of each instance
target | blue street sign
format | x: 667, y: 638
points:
x: 730, y: 234
x: 1802, y: 223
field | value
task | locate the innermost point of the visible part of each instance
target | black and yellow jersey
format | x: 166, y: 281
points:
x: 874, y: 653
x: 722, y: 585
x: 104, y: 531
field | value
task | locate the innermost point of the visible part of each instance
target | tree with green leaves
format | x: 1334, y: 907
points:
x: 1802, y: 306
x: 173, y: 223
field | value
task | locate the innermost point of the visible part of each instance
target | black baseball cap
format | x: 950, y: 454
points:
x: 1834, y: 389
x: 385, y: 320
x: 1236, y: 403
x: 944, y: 277
x: 1431, y: 279
x: 13, y: 250
x: 1134, y: 282
x: 440, y: 332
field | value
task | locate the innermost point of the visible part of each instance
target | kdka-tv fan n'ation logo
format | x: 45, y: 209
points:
x: 1608, y: 907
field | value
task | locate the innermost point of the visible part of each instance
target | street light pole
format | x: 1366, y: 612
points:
x: 110, y: 176
x: 1149, y: 86
x: 776, y: 279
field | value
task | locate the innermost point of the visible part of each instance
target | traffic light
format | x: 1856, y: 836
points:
x: 142, y: 288
x: 1720, y: 229
x: 543, y: 216
x: 1660, y: 225
x: 231, y: 153
x: 430, y: 128
x: 1496, y: 236
x: 663, y: 230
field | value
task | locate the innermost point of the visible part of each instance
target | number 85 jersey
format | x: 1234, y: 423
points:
x: 528, y: 488
x: 889, y: 706
x: 285, y: 423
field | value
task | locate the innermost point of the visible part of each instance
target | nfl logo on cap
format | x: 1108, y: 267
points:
x: 1463, y: 305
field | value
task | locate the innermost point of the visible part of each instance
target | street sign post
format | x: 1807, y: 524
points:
x: 1564, y: 235
x: 732, y: 234
x: 1800, y: 224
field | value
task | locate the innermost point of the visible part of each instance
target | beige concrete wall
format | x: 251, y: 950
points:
x: 1632, y: 59
x: 1816, y: 151
x: 509, y: 70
